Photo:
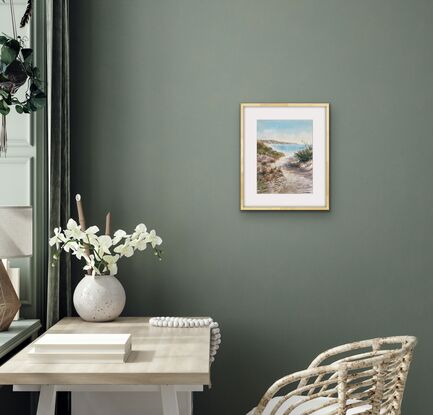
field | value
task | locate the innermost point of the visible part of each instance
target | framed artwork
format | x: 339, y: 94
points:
x: 285, y: 156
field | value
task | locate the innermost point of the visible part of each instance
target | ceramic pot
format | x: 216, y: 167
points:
x: 99, y: 298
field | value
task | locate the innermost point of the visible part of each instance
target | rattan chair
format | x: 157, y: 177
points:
x: 366, y: 377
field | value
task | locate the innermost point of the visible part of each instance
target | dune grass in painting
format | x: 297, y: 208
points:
x: 285, y: 156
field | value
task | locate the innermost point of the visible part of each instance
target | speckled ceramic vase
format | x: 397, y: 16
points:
x: 99, y: 298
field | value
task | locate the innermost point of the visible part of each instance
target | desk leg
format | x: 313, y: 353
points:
x: 189, y: 403
x: 170, y: 406
x: 47, y: 400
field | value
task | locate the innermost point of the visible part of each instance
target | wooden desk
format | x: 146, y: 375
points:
x: 164, y: 360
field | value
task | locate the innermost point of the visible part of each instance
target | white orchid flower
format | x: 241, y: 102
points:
x: 140, y: 243
x: 73, y: 230
x: 71, y: 246
x: 91, y: 239
x: 57, y: 238
x: 111, y: 261
x: 139, y: 229
x: 92, y: 230
x: 54, y: 241
x: 97, y: 250
x: 84, y: 255
x: 153, y: 238
x: 78, y: 251
x: 125, y: 249
x: 118, y: 236
x: 90, y: 265
x: 105, y: 244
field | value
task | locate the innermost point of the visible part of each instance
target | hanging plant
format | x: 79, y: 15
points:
x: 16, y: 70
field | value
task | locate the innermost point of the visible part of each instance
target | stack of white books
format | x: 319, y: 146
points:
x: 81, y: 348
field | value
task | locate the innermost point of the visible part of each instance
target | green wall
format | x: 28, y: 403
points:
x: 156, y: 87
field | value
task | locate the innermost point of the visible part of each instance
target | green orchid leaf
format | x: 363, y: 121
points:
x: 3, y: 40
x: 19, y: 109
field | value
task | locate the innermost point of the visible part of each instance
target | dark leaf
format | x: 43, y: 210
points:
x: 34, y: 89
x: 38, y: 83
x: 14, y: 44
x: 19, y: 109
x: 7, y: 86
x: 16, y: 73
x: 27, y: 14
x: 27, y: 54
x: 36, y: 72
x: 3, y: 40
x: 4, y: 108
x: 36, y: 103
x: 7, y: 55
x: 9, y: 51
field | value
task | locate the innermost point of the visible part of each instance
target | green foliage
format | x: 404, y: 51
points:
x: 304, y: 155
x: 264, y: 150
x: 16, y: 68
x: 9, y: 51
x: 4, y: 107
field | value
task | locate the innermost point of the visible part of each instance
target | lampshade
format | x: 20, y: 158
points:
x: 15, y: 231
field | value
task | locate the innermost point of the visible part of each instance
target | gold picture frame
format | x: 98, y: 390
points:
x: 309, y: 200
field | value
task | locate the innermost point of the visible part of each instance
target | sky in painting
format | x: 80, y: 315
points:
x: 286, y: 131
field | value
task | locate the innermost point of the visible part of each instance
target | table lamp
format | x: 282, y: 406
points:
x: 15, y: 241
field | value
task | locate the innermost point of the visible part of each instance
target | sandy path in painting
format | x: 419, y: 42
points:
x: 299, y: 179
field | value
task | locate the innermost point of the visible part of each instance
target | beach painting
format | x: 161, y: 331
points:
x: 284, y: 156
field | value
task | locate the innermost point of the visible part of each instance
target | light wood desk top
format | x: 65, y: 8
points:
x: 174, y: 356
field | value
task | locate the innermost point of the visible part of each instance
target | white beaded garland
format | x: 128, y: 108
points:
x: 180, y: 322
